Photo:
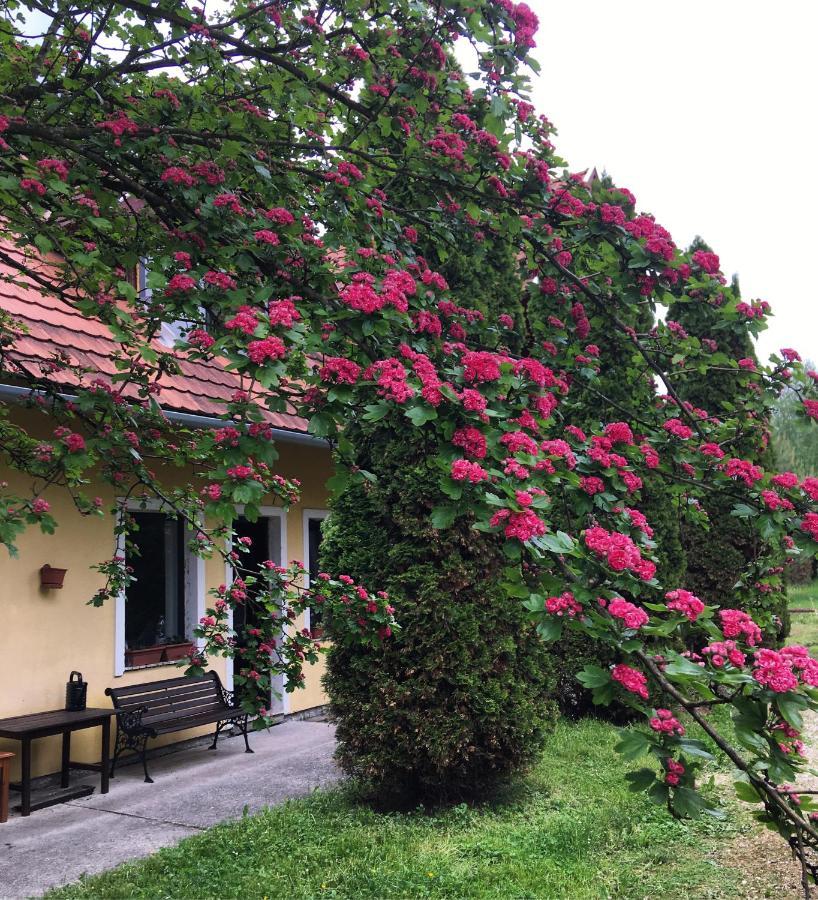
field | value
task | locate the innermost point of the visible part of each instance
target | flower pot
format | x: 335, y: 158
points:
x: 177, y: 651
x: 144, y: 656
x: 51, y: 578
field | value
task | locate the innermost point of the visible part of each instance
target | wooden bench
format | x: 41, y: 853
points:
x: 145, y: 711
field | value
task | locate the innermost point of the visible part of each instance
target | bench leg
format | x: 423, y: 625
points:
x: 244, y: 732
x: 148, y: 779
x: 216, y: 736
x: 121, y: 743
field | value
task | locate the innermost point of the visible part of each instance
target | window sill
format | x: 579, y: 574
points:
x: 156, y: 665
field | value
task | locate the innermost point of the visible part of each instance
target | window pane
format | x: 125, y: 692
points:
x: 154, y: 604
x: 245, y: 615
x: 313, y: 554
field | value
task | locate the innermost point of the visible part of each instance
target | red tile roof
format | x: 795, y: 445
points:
x: 55, y: 327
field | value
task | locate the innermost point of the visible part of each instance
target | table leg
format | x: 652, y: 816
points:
x: 66, y: 757
x: 106, y: 753
x: 5, y: 776
x: 26, y: 785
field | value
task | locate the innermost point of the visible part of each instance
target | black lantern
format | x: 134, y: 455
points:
x: 76, y: 692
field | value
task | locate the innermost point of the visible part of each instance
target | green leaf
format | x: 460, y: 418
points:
x: 376, y: 411
x: 640, y: 780
x: 443, y: 516
x: 790, y: 706
x: 742, y: 511
x: 593, y: 676
x: 633, y: 743
x: 550, y: 629
x: 692, y: 747
x: 420, y: 415
x: 746, y: 792
x: 321, y: 424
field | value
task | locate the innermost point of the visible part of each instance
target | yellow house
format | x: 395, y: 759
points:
x: 47, y: 633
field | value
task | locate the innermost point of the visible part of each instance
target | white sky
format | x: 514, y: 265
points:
x: 707, y: 112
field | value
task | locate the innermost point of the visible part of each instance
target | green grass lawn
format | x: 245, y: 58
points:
x: 804, y: 625
x: 571, y: 829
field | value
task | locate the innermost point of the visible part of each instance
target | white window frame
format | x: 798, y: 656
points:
x: 194, y: 586
x: 306, y: 516
x: 264, y: 512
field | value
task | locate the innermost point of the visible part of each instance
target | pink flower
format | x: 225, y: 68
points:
x: 631, y: 679
x: 591, y: 484
x: 270, y: 348
x: 564, y: 605
x: 471, y: 440
x: 339, y: 370
x: 265, y: 236
x: 686, y: 603
x: 619, y: 433
x: 74, y: 442
x: 736, y: 622
x: 180, y: 284
x: 32, y: 186
x: 678, y: 428
x: 666, y: 723
x: 463, y: 470
x: 40, y: 506
x: 632, y: 616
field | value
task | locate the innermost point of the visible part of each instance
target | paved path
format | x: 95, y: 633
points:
x: 194, y: 789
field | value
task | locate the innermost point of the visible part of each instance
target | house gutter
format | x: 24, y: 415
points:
x: 14, y: 393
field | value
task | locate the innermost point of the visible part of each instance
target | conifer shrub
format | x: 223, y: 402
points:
x: 461, y: 696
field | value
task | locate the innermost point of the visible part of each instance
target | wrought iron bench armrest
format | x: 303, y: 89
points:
x: 130, y: 720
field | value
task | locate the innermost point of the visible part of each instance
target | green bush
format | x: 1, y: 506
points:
x: 459, y: 697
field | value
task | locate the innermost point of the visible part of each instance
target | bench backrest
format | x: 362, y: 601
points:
x: 170, y: 697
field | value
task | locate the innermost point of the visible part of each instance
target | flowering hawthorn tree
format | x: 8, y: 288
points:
x: 249, y: 153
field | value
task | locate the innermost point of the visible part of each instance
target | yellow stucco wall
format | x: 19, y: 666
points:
x: 46, y: 634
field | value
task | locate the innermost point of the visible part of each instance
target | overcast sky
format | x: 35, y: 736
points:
x: 707, y: 112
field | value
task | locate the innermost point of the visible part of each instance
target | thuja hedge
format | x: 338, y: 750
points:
x: 460, y: 696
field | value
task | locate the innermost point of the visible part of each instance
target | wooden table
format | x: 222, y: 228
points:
x: 5, y: 773
x: 28, y: 728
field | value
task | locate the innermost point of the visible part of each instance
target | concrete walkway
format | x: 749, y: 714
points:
x: 194, y: 789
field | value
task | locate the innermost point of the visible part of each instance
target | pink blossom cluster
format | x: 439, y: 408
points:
x: 781, y: 671
x: 390, y: 376
x: 619, y: 551
x: 675, y: 770
x: 722, y: 652
x: 743, y: 470
x: 270, y: 348
x: 471, y: 440
x: 519, y: 442
x: 666, y: 723
x: 809, y: 525
x: 463, y: 470
x: 736, y: 623
x: 339, y: 370
x: 564, y: 605
x: 684, y: 602
x: 631, y: 679
x: 708, y: 262
x: 631, y: 615
x: 523, y: 525
x: 678, y: 428
x: 619, y: 433
x: 245, y: 319
x: 482, y: 365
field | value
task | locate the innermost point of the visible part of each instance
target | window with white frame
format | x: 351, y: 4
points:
x: 161, y: 606
x: 313, y: 523
x: 262, y: 541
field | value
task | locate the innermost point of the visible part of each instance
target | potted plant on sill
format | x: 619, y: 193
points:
x: 144, y: 656
x: 177, y: 648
